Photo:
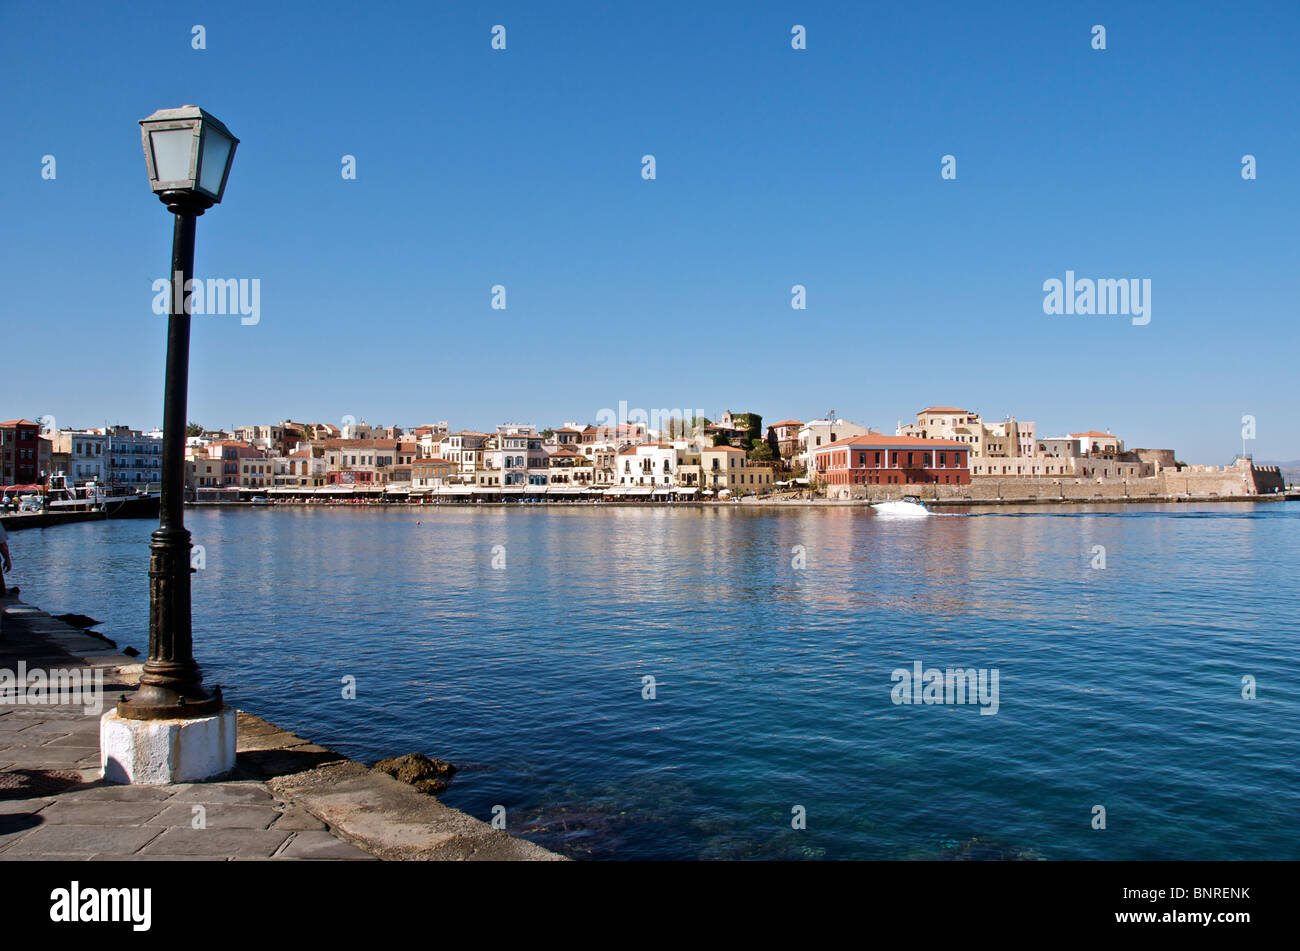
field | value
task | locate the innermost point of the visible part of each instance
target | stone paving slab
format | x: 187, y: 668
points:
x: 53, y: 838
x: 289, y: 800
x: 218, y: 816
x: 101, y: 812
x: 229, y: 843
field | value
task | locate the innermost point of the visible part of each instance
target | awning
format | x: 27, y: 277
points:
x: 686, y: 490
x: 536, y: 489
x: 641, y: 490
x: 665, y: 490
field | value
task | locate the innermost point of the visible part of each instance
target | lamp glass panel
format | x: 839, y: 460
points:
x: 171, y: 154
x: 212, y: 163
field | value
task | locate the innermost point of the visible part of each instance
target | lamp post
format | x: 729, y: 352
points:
x: 188, y: 154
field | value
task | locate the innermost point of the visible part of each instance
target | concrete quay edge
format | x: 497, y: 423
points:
x: 374, y: 812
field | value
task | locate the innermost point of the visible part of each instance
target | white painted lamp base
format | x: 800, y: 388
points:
x: 157, y: 752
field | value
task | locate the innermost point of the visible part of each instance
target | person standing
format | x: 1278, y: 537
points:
x: 5, y: 564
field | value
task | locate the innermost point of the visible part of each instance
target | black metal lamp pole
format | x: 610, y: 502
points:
x: 171, y: 686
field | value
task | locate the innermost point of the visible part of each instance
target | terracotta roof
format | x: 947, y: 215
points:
x: 1093, y: 434
x: 563, y: 452
x: 943, y: 409
x: 721, y: 449
x: 19, y: 422
x: 787, y: 422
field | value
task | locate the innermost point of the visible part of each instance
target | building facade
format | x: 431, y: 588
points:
x: 874, y: 459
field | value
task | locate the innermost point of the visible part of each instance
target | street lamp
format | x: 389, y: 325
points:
x: 188, y: 154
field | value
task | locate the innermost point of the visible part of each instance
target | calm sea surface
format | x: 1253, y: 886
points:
x: 1119, y: 687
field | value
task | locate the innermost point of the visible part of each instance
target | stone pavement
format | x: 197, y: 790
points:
x: 289, y: 799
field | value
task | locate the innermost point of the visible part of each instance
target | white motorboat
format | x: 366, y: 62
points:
x: 907, y: 507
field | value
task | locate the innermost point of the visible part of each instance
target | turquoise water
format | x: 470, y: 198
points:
x: 1119, y: 687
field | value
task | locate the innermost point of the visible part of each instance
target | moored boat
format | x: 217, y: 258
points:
x: 93, y: 497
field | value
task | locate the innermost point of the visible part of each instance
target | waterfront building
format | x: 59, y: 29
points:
x: 361, y: 461
x: 82, y: 456
x: 786, y: 435
x: 220, y: 466
x: 619, y: 435
x: 1006, y: 449
x: 302, y: 470
x: 1093, y: 443
x: 428, y: 438
x: 465, y: 449
x: 570, y: 467
x: 291, y: 434
x: 317, y: 432
x: 428, y: 473
x: 20, y: 462
x: 259, y: 472
x: 363, y: 430
x: 266, y: 438
x: 647, y: 464
x: 518, y: 455
x: 726, y: 467
x: 822, y: 432
x: 735, y: 429
x: 134, y: 458
x: 873, y: 459
x: 568, y: 436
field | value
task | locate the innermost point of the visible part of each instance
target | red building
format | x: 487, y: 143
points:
x: 873, y: 459
x: 19, y: 451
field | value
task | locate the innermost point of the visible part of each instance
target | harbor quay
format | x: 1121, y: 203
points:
x: 287, y: 799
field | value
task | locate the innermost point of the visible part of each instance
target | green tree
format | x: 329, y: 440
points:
x: 193, y: 429
x: 753, y: 424
x: 760, y: 451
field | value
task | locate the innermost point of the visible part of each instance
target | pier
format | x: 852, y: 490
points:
x: 288, y: 798
x: 14, y: 523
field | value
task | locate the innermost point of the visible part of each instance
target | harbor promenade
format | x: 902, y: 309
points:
x: 289, y: 799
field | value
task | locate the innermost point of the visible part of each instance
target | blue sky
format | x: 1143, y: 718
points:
x: 775, y: 167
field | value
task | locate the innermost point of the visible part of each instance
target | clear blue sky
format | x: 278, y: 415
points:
x: 775, y: 167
